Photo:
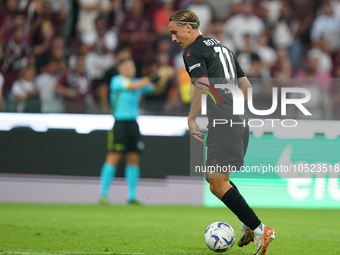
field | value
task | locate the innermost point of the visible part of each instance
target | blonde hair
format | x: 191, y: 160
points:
x: 185, y: 16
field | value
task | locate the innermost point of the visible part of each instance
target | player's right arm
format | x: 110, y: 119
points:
x: 196, y: 108
x: 198, y: 73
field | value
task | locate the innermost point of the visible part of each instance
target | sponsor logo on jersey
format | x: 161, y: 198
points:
x: 194, y: 66
x: 187, y: 55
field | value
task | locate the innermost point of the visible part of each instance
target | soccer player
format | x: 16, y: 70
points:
x: 209, y: 63
x: 124, y: 137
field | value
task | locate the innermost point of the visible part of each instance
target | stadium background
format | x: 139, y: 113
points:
x: 60, y: 140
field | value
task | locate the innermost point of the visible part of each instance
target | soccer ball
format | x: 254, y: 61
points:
x: 219, y: 236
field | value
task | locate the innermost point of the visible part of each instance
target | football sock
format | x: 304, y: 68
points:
x: 132, y: 176
x: 258, y: 232
x: 106, y: 177
x: 244, y: 227
x: 236, y: 203
x: 232, y: 184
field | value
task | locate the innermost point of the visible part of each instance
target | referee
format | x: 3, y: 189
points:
x: 124, y: 137
x: 209, y: 63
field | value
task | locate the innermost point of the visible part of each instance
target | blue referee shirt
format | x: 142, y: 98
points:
x: 124, y: 102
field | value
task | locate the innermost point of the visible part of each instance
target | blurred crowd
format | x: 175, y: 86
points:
x: 60, y: 55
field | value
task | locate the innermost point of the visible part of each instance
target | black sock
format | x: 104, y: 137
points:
x: 233, y: 184
x: 236, y: 203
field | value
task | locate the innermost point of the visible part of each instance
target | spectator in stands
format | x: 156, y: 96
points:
x: 220, y: 11
x: 244, y: 54
x: 203, y: 11
x: 256, y: 69
x: 215, y: 30
x: 336, y: 7
x: 83, y: 50
x: 74, y: 87
x: 101, y: 44
x: 322, y: 79
x: 137, y: 33
x: 115, y: 15
x: 46, y: 22
x: 283, y: 65
x: 267, y: 54
x: 41, y: 50
x: 327, y: 25
x: 261, y: 85
x: 273, y: 9
x: 11, y: 9
x: 54, y: 50
x: 165, y: 95
x: 63, y: 9
x: 256, y: 74
x: 17, y: 20
x: 2, y: 81
x: 245, y: 23
x: 57, y: 52
x: 89, y: 11
x: 150, y: 7
x: 336, y: 61
x: 320, y: 103
x: 161, y: 17
x: 100, y: 40
x: 335, y: 92
x: 321, y: 52
x: 25, y: 91
x: 16, y: 56
x: 46, y: 83
x: 2, y: 103
x: 305, y: 11
x: 284, y: 34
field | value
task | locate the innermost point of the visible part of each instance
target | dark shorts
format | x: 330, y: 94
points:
x: 124, y: 137
x: 227, y: 146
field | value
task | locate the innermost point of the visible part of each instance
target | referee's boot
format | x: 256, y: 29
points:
x: 247, y: 236
x: 262, y: 243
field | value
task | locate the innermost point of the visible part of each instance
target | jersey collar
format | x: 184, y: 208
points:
x: 199, y: 37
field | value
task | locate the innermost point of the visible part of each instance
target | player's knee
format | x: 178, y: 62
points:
x: 132, y: 162
x: 219, y: 189
x: 215, y: 189
x: 132, y: 159
x: 113, y: 158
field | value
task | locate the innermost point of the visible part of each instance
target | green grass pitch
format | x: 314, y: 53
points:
x: 94, y: 229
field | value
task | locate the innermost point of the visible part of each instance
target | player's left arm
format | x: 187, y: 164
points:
x: 243, y: 82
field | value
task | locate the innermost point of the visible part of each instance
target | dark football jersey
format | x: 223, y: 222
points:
x: 207, y: 57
